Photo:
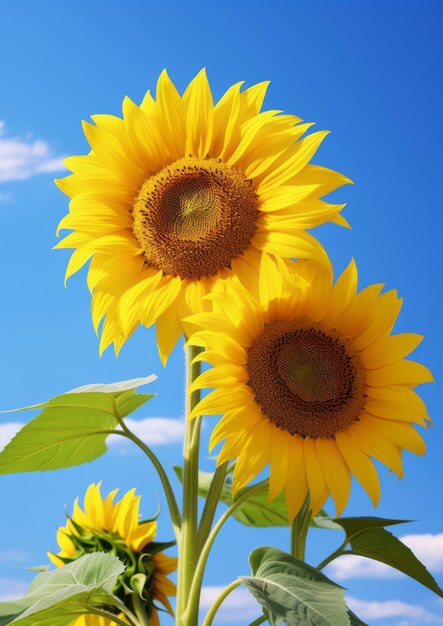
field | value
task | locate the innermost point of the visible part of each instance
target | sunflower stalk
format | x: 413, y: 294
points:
x: 195, y: 589
x: 188, y: 544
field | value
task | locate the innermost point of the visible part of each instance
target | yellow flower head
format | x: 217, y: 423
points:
x: 181, y: 193
x: 311, y: 381
x: 105, y: 525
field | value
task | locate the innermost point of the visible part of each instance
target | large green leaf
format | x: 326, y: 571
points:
x: 381, y: 545
x: 294, y: 592
x: 56, y: 597
x: 72, y: 428
x: 367, y: 537
x: 256, y: 510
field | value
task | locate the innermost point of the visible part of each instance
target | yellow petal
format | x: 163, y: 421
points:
x: 303, y: 151
x: 370, y: 440
x: 360, y: 465
x: 297, y: 483
x: 399, y: 373
x: 318, y: 489
x: 336, y: 472
x: 199, y: 116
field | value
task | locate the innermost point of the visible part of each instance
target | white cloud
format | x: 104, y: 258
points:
x: 12, y: 556
x: 427, y: 548
x: 154, y: 431
x: 7, y: 432
x: 393, y: 608
x: 23, y: 157
x: 11, y: 589
x: 240, y: 606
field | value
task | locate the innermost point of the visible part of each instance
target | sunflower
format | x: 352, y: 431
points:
x: 105, y: 525
x: 181, y: 193
x: 311, y: 381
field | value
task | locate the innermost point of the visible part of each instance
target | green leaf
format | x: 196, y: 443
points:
x: 256, y: 511
x: 72, y: 428
x: 368, y: 538
x: 381, y: 545
x: 354, y: 525
x: 294, y: 592
x: 54, y: 598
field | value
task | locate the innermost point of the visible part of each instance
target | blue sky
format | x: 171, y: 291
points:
x: 368, y: 71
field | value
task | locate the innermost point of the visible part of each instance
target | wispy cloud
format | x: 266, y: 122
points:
x: 154, y: 431
x: 12, y: 556
x: 240, y: 606
x: 427, y: 548
x: 410, y: 613
x: 11, y: 589
x: 23, y: 157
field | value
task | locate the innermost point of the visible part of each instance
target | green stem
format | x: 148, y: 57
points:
x: 339, y: 552
x: 188, y: 545
x: 140, y: 610
x: 259, y: 620
x: 194, y: 594
x: 212, y: 500
x: 169, y: 493
x: 214, y: 608
x: 299, y: 531
x: 125, y: 610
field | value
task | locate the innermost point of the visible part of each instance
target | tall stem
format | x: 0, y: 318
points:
x: 299, y: 531
x: 188, y: 544
x: 195, y: 590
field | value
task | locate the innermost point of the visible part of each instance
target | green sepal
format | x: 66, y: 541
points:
x: 138, y: 583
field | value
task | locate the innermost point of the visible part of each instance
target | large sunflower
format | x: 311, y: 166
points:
x: 105, y: 525
x: 181, y: 193
x: 311, y: 381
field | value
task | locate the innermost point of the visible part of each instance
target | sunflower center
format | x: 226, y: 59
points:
x: 306, y: 379
x: 194, y: 216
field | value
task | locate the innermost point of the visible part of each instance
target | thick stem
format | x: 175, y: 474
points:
x: 195, y: 590
x: 214, y: 608
x: 188, y: 545
x: 299, y: 531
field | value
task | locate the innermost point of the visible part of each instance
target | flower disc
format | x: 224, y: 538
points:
x: 194, y: 217
x: 305, y: 379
